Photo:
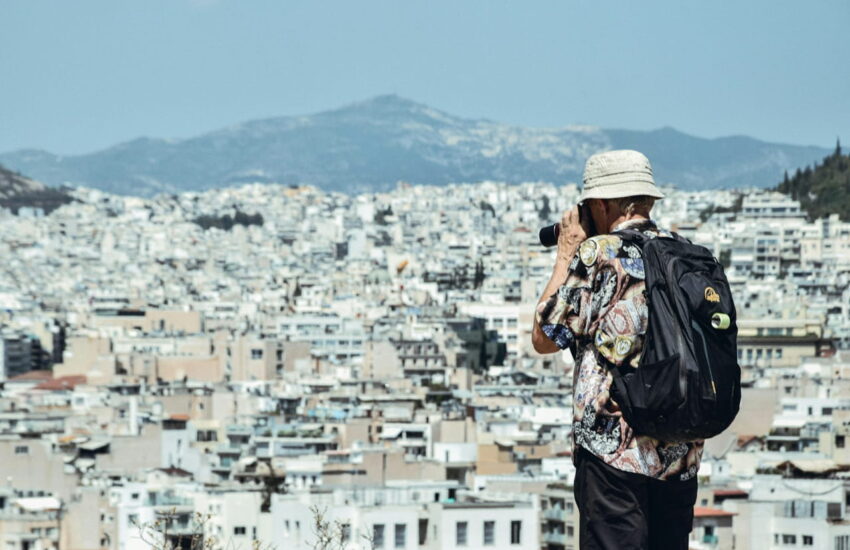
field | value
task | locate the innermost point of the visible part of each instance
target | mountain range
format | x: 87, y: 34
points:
x: 372, y: 144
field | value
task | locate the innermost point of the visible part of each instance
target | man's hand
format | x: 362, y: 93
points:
x: 573, y: 232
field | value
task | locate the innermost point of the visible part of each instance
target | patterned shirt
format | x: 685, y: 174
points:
x: 600, y: 314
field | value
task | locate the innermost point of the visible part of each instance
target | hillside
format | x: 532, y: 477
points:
x: 17, y: 191
x: 823, y: 189
x: 370, y: 145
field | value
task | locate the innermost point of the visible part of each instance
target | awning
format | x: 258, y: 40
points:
x: 94, y: 445
x: 390, y: 433
x: 39, y: 504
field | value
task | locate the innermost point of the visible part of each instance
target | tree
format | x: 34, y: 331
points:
x: 545, y: 210
x: 823, y: 188
x: 487, y: 207
x: 478, y: 278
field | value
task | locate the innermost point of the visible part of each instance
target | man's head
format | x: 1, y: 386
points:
x: 618, y: 185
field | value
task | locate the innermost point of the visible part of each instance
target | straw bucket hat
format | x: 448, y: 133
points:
x: 616, y: 174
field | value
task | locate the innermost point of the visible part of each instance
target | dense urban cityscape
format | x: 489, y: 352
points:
x: 249, y: 366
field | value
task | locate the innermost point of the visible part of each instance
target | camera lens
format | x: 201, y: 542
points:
x: 549, y: 235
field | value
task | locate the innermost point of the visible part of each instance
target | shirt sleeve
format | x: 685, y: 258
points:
x: 602, y: 301
x: 565, y: 316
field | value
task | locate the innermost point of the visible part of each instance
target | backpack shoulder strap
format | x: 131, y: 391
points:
x: 632, y: 235
x: 641, y: 239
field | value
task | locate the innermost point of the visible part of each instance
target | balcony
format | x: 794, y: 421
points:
x: 169, y: 504
x: 557, y: 514
x: 228, y: 449
x: 709, y: 539
x: 555, y: 538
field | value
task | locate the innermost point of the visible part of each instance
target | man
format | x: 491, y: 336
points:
x: 632, y: 491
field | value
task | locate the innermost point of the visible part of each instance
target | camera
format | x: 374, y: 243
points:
x: 549, y: 235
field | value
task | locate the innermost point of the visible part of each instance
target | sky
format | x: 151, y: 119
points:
x: 80, y: 76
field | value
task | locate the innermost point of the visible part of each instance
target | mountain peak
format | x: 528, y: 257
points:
x: 393, y: 101
x: 393, y: 106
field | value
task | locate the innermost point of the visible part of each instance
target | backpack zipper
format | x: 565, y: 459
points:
x: 698, y: 328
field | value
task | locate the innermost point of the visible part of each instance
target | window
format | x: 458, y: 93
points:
x: 460, y: 533
x: 346, y: 533
x: 789, y: 539
x: 516, y: 531
x: 257, y: 353
x: 22, y: 450
x: 206, y: 435
x: 489, y: 530
x: 842, y: 542
x: 570, y: 532
x: 808, y: 540
x: 378, y: 535
x: 839, y: 441
x: 239, y: 530
x: 400, y: 535
x: 423, y: 531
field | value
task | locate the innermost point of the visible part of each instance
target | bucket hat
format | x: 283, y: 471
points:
x: 616, y: 174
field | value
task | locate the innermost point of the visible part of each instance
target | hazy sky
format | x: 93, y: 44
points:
x: 80, y: 75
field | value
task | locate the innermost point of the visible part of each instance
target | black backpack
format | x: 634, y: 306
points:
x: 688, y: 382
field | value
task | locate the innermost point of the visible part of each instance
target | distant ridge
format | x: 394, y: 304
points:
x: 372, y: 144
x: 17, y: 191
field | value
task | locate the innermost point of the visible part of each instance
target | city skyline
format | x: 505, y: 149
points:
x: 249, y: 353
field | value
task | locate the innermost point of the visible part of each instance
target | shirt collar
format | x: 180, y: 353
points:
x: 639, y: 224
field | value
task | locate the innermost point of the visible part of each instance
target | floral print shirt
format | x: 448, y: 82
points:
x: 600, y: 315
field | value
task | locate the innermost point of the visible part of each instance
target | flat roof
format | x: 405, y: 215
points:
x: 706, y: 512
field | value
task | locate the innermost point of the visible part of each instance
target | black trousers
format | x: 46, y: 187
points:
x: 631, y: 511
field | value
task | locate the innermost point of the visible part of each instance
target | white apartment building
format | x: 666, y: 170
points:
x: 769, y: 204
x: 419, y: 517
